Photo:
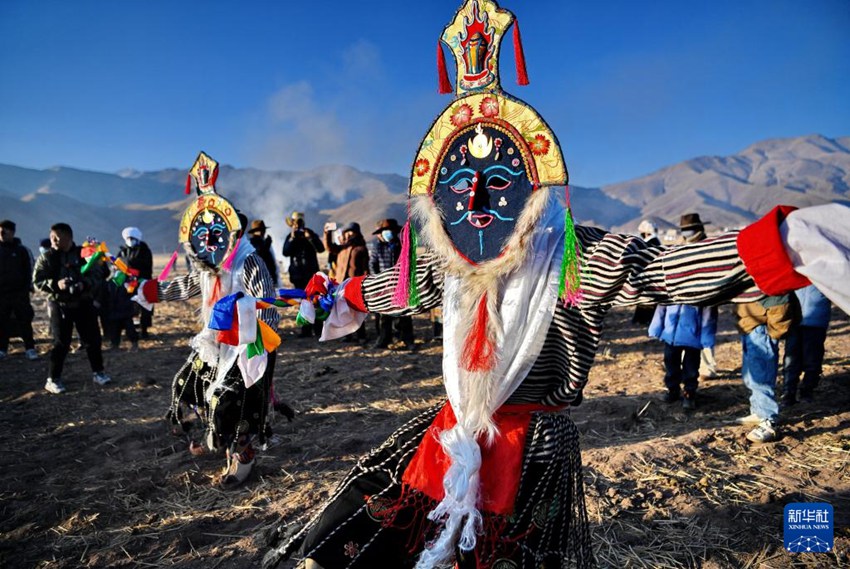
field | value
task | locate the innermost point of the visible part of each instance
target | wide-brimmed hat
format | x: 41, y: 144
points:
x: 294, y: 216
x: 390, y: 224
x: 354, y: 227
x: 258, y: 226
x: 691, y: 221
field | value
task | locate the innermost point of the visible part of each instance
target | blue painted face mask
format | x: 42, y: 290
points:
x: 482, y: 188
x: 210, y: 238
x: 387, y: 235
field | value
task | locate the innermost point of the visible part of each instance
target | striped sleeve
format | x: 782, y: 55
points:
x: 623, y: 270
x: 708, y: 272
x: 180, y: 288
x: 378, y: 289
x: 258, y: 282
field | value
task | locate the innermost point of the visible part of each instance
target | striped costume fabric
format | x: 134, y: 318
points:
x: 237, y: 411
x: 256, y: 281
x: 371, y: 520
x: 618, y: 270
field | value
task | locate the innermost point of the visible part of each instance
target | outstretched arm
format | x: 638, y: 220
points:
x: 785, y: 250
x: 376, y: 291
x: 624, y: 270
x: 180, y: 288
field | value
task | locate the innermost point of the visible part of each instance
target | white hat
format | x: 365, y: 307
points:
x: 133, y: 232
x: 646, y: 227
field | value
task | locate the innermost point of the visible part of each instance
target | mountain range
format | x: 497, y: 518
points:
x: 729, y: 191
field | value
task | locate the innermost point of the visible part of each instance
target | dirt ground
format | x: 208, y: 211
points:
x: 93, y: 478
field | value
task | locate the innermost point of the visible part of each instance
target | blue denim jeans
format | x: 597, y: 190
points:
x: 759, y: 369
x: 803, y: 356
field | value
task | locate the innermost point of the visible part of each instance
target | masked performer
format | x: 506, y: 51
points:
x: 227, y: 389
x: 492, y: 478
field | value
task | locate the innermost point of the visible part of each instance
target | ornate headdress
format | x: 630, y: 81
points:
x: 475, y: 179
x: 210, y: 225
x: 479, y: 192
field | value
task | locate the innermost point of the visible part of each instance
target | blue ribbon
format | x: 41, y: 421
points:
x: 222, y: 312
x: 291, y: 293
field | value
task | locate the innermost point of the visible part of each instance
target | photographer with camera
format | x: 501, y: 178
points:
x: 58, y: 274
x: 302, y: 246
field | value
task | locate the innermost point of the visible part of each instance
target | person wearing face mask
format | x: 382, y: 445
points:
x: 692, y: 228
x: 137, y: 255
x: 353, y: 256
x: 352, y: 260
x: 262, y: 243
x: 383, y: 255
x: 649, y: 233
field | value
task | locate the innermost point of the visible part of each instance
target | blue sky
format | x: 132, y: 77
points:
x: 627, y: 86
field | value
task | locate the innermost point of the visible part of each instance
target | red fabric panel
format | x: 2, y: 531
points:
x: 316, y: 286
x: 501, y: 462
x: 353, y: 293
x: 760, y: 247
x: 150, y: 291
x: 230, y: 337
x: 444, y: 87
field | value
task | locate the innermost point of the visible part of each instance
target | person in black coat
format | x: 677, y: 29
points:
x: 302, y: 246
x: 15, y: 287
x: 262, y: 244
x: 137, y: 255
x: 58, y: 273
x: 384, y: 252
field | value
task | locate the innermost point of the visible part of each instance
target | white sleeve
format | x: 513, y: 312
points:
x: 817, y: 240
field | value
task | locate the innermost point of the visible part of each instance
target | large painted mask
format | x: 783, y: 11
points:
x: 210, y: 224
x: 487, y: 152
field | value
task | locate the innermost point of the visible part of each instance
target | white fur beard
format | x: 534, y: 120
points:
x: 479, y: 388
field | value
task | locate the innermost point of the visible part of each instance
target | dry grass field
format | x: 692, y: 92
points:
x: 93, y: 478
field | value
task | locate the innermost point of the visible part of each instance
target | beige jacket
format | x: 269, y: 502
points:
x: 779, y: 315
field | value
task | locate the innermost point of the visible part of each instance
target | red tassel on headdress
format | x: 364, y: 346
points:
x: 521, y: 73
x: 478, y: 351
x: 443, y: 75
x: 188, y: 183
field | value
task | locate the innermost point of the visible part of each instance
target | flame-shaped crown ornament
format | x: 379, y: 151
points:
x: 474, y: 36
x: 204, y: 172
x: 480, y: 104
